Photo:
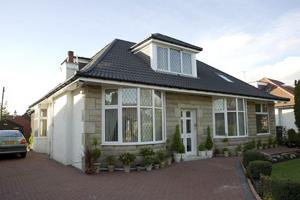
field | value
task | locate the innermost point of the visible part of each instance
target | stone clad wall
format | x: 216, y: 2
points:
x: 201, y: 104
x: 174, y: 103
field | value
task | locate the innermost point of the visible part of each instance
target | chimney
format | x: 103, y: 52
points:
x: 70, y: 58
x: 69, y: 67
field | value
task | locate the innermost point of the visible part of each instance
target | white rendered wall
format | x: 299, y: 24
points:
x: 286, y: 118
x: 77, y: 133
x: 59, y: 149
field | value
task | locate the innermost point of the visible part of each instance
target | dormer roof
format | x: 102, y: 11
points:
x: 167, y: 39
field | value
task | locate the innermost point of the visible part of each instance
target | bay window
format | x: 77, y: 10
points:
x: 173, y: 60
x: 229, y: 117
x: 262, y: 118
x: 133, y: 115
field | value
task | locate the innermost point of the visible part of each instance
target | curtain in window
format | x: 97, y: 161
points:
x: 130, y: 125
x: 187, y: 63
x: 232, y: 125
x: 220, y: 124
x: 162, y: 58
x: 158, y: 124
x: 146, y: 124
x: 175, y: 61
x: 111, y: 125
x: 262, y: 123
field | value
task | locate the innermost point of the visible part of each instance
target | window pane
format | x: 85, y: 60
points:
x: 157, y: 98
x: 175, y: 60
x: 218, y: 105
x: 43, y: 127
x: 264, y: 108
x: 240, y: 104
x: 129, y: 96
x: 111, y: 125
x: 146, y: 97
x: 220, y: 124
x: 188, y: 114
x: 242, y: 124
x: 232, y: 126
x: 187, y: 63
x: 162, y: 58
x: 188, y: 126
x: 257, y: 108
x: 130, y: 125
x: 158, y: 124
x: 188, y: 144
x: 111, y: 97
x: 43, y: 112
x: 262, y: 123
x: 231, y: 104
x: 146, y: 125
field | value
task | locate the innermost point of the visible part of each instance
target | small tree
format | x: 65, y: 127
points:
x: 297, y: 104
x: 178, y: 146
x: 5, y: 112
x: 208, y: 142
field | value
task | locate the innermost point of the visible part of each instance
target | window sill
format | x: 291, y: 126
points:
x: 263, y: 134
x: 230, y: 137
x: 131, y: 143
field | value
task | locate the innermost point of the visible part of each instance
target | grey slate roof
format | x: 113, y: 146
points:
x: 117, y: 62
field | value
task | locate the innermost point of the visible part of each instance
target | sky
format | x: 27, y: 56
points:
x: 247, y: 39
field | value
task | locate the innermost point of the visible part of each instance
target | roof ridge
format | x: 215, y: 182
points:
x: 92, y: 65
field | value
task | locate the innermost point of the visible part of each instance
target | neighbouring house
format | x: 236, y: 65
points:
x: 131, y: 95
x: 284, y: 110
x: 17, y: 122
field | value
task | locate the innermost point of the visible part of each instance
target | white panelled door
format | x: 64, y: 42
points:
x: 188, y: 131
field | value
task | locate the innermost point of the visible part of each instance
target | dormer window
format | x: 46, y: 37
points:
x: 174, y: 60
x: 169, y: 55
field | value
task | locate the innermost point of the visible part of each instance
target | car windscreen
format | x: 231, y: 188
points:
x: 10, y: 133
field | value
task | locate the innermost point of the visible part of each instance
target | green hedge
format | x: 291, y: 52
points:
x: 257, y: 168
x: 252, y: 155
x: 286, y: 190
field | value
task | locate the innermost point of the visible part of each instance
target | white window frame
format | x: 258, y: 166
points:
x: 225, y: 111
x: 263, y: 113
x: 181, y: 63
x: 119, y: 107
x: 38, y: 117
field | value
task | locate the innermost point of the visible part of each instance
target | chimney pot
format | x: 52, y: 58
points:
x: 70, y: 58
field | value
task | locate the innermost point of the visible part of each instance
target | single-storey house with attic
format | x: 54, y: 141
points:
x: 131, y: 95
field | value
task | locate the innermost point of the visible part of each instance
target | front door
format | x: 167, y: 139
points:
x: 188, y: 131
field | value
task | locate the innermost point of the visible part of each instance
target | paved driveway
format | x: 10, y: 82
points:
x: 37, y: 177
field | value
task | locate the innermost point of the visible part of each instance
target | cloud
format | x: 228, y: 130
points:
x: 272, y: 52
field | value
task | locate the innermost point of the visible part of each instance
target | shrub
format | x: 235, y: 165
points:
x: 201, y: 147
x: 161, y: 155
x: 96, y: 152
x: 265, y: 187
x: 145, y: 152
x: 208, y: 142
x: 286, y: 190
x: 292, y: 136
x: 258, y: 144
x: 88, y: 159
x: 249, y: 146
x: 238, y: 149
x: 177, y: 146
x: 258, y: 167
x: 127, y: 158
x: 148, y: 161
x: 110, y: 160
x: 251, y: 156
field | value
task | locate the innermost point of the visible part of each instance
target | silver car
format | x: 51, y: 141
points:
x: 13, y: 142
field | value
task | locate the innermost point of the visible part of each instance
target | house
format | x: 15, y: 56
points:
x: 284, y: 111
x: 131, y: 95
x: 18, y: 122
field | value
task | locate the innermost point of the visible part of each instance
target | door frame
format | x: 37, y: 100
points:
x: 193, y: 134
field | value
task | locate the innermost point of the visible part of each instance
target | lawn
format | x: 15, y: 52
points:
x: 287, y: 170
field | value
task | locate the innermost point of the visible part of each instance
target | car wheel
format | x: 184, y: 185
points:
x: 23, y: 155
